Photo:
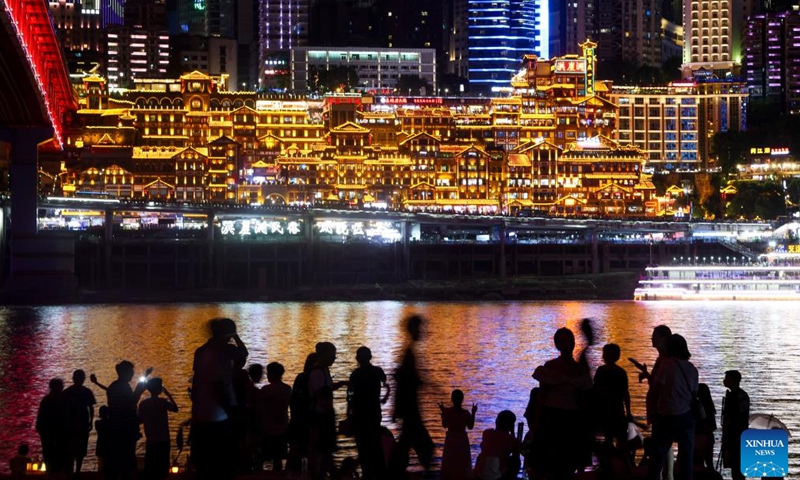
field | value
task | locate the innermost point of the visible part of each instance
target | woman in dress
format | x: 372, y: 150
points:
x: 456, y: 459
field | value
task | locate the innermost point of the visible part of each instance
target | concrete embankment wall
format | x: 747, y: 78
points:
x: 194, y: 264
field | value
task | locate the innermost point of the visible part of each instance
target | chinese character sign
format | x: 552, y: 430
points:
x: 263, y: 228
x: 378, y: 231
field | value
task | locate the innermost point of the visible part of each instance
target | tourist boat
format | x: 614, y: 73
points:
x: 720, y: 282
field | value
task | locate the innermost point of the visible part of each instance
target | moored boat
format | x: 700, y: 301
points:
x: 720, y: 282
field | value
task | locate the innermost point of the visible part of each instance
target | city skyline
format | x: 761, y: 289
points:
x: 477, y: 45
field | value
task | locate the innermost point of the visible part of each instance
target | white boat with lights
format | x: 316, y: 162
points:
x: 720, y: 282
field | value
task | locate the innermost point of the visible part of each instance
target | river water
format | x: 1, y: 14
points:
x: 487, y: 349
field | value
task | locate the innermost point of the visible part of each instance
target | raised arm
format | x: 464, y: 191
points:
x: 471, y: 419
x: 93, y: 379
x: 172, y: 406
x: 242, y: 349
x: 142, y: 385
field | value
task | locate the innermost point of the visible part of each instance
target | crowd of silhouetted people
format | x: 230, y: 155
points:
x: 579, y: 425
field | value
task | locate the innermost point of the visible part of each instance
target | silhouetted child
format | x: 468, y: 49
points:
x: 348, y: 470
x: 613, y: 400
x: 499, y: 457
x: 19, y: 464
x: 153, y: 413
x: 275, y: 416
x: 101, y: 428
x: 456, y: 457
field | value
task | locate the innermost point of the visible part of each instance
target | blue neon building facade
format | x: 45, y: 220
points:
x: 500, y: 33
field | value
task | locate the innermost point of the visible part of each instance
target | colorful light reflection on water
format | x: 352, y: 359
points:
x: 489, y: 350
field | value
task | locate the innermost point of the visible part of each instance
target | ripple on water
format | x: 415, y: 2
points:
x: 489, y: 350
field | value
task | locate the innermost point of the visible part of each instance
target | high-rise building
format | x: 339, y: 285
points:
x: 671, y: 40
x: 140, y: 46
x: 283, y: 26
x: 112, y: 11
x: 458, y: 39
x: 209, y: 55
x: 675, y: 124
x: 377, y: 68
x: 708, y: 34
x: 500, y: 33
x: 772, y: 59
x: 415, y: 24
x: 580, y: 23
x: 146, y: 13
x: 192, y: 17
x: 136, y: 52
x: 629, y: 31
x: 221, y: 18
x: 247, y: 44
x: 78, y: 25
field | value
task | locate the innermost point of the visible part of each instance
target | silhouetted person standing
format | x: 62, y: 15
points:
x: 52, y: 424
x: 322, y: 442
x: 81, y: 401
x: 612, y: 398
x: 562, y: 426
x: 299, y: 422
x: 213, y: 397
x: 658, y: 340
x: 674, y: 386
x: 154, y: 415
x: 456, y: 458
x: 414, y: 434
x: 123, y: 422
x: 275, y: 398
x: 364, y: 405
x: 704, y: 430
x: 735, y: 419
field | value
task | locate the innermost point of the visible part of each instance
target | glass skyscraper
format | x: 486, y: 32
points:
x: 500, y: 33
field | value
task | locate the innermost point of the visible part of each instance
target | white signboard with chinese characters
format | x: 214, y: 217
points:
x: 382, y: 231
x: 269, y: 228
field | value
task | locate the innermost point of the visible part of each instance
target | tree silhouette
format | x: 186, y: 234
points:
x: 337, y: 78
x: 413, y: 85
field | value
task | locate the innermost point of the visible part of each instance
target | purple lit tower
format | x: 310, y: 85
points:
x: 772, y: 59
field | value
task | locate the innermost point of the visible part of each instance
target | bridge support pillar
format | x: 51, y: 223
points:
x: 502, y: 243
x: 212, y: 266
x: 108, y: 242
x: 42, y: 267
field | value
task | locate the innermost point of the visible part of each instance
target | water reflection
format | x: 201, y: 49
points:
x: 488, y: 350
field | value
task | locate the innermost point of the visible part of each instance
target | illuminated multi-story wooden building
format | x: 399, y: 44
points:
x: 543, y: 147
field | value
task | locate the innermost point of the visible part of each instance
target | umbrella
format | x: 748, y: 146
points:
x: 763, y: 421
